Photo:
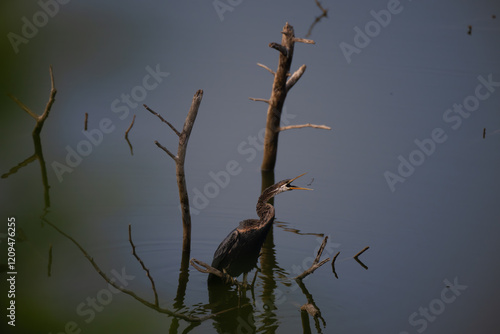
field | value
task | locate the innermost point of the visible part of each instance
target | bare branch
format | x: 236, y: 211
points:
x: 318, y: 18
x: 142, y: 264
x: 295, y: 77
x: 267, y: 68
x: 308, y: 125
x: 20, y: 165
x: 303, y: 40
x: 283, y: 50
x: 260, y: 100
x: 166, y: 150
x: 163, y: 120
x: 23, y: 106
x: 130, y: 127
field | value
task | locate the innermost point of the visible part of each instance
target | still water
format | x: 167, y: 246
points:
x: 410, y: 168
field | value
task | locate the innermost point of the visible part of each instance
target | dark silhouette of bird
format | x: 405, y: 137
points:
x: 238, y: 252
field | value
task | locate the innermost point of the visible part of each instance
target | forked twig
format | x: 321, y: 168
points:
x: 316, y: 264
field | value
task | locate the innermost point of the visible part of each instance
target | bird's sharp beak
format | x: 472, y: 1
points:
x: 295, y: 187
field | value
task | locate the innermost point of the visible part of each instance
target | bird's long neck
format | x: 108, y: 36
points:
x: 265, y: 210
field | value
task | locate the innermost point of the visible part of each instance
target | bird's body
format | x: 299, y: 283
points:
x: 238, y: 252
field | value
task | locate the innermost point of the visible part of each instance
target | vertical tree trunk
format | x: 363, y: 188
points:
x: 277, y: 97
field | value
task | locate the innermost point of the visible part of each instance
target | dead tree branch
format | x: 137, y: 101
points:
x: 361, y: 252
x: 258, y: 99
x: 163, y: 120
x: 282, y: 83
x: 316, y: 264
x: 40, y: 119
x: 126, y: 136
x: 179, y: 164
x: 267, y: 68
x: 318, y: 18
x: 38, y: 155
x: 295, y: 77
x: 308, y: 125
x: 333, y: 265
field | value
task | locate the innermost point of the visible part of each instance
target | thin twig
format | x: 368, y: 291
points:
x: 318, y: 18
x: 308, y: 125
x: 315, y: 265
x: 86, y: 121
x: 361, y: 252
x: 23, y: 106
x: 130, y: 127
x: 267, y: 68
x: 162, y: 119
x: 142, y: 264
x: 333, y: 265
x: 52, y: 99
x: 166, y: 150
x: 259, y: 99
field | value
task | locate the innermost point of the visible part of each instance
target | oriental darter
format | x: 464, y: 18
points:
x: 238, y: 252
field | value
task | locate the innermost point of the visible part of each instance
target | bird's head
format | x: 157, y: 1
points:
x: 286, y: 185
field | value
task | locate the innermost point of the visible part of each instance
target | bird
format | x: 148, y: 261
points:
x: 238, y: 253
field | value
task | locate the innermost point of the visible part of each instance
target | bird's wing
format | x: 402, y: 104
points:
x: 225, y: 248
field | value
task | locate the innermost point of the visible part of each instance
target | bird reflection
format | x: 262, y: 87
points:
x: 238, y: 252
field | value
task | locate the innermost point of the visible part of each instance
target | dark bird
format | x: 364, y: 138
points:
x: 238, y: 252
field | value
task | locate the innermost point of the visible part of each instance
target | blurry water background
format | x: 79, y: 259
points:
x: 433, y: 257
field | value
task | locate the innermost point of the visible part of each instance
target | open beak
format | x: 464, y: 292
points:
x: 295, y: 187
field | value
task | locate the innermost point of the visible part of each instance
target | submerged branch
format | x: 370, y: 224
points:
x: 142, y: 264
x: 315, y: 265
x: 208, y: 269
x: 113, y: 283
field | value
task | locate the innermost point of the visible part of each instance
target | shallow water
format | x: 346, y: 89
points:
x: 431, y: 266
